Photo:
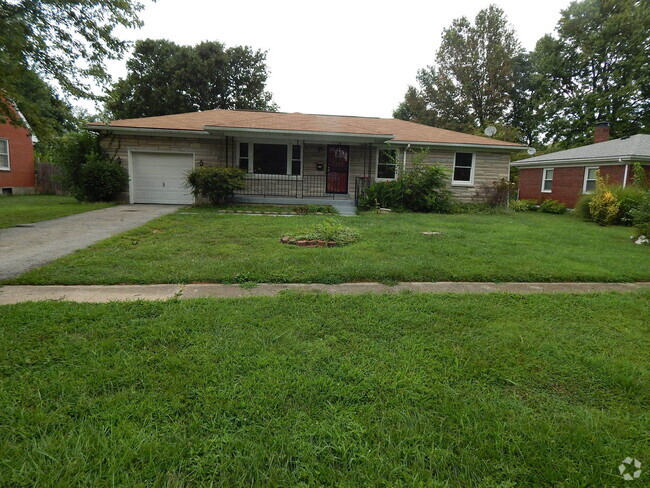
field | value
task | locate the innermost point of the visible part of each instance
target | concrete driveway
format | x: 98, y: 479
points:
x: 23, y: 248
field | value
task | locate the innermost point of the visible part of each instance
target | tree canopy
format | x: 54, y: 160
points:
x: 593, y: 68
x: 472, y: 79
x: 165, y: 78
x: 63, y: 41
x: 596, y: 68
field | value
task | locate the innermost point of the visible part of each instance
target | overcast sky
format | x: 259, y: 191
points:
x: 344, y: 57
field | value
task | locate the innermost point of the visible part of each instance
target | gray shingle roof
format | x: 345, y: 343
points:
x: 633, y: 148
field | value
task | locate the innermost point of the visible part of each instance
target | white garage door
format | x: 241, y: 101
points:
x: 160, y: 177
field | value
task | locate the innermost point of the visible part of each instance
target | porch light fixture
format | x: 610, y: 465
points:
x: 201, y: 163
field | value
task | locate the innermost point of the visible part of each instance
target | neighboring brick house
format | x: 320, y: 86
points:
x: 565, y: 175
x: 16, y: 159
x: 292, y: 154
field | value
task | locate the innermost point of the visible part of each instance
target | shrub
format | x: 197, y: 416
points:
x: 387, y: 194
x: 582, y: 206
x: 552, y: 207
x: 603, y: 206
x: 641, y: 216
x: 495, y: 195
x: 638, y: 175
x: 628, y: 198
x: 74, y: 151
x: 100, y: 179
x: 330, y: 230
x: 421, y: 188
x: 218, y: 185
x: 523, y: 205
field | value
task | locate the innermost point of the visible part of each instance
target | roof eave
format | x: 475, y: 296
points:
x: 581, y: 161
x: 147, y: 131
x: 456, y: 144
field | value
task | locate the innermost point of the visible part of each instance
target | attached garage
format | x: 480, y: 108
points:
x: 159, y: 177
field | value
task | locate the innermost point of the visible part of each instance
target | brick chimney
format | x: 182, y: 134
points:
x: 601, y: 134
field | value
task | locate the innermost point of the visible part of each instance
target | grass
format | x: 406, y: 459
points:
x: 27, y: 209
x: 211, y: 247
x: 312, y: 390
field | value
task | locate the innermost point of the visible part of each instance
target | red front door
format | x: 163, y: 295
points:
x: 338, y: 166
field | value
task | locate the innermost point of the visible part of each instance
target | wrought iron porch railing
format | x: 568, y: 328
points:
x: 361, y: 184
x: 286, y: 186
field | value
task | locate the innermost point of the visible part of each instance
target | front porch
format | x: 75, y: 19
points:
x: 309, y: 187
x: 344, y: 206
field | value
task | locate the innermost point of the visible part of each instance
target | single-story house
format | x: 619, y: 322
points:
x: 292, y: 154
x: 16, y: 158
x: 565, y: 175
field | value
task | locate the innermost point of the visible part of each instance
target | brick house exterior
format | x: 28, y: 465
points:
x: 157, y: 150
x: 16, y: 160
x: 566, y: 175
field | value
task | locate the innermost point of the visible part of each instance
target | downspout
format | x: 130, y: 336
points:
x: 620, y: 160
x: 404, y: 164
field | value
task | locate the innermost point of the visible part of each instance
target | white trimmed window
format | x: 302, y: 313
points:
x: 463, y: 169
x: 547, y: 180
x: 4, y: 153
x: 590, y: 180
x: 386, y: 164
x: 270, y: 159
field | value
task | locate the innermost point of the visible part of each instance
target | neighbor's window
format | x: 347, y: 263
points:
x: 590, y: 180
x: 243, y: 156
x: 463, y: 171
x: 386, y: 164
x: 4, y: 153
x: 547, y: 180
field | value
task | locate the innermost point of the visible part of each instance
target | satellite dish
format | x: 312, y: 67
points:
x: 490, y: 130
x: 531, y: 151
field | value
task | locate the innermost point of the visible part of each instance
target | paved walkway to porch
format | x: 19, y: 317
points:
x: 344, y: 207
x: 101, y: 294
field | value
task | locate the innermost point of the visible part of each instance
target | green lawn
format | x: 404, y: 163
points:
x: 205, y: 246
x: 313, y: 390
x: 28, y: 209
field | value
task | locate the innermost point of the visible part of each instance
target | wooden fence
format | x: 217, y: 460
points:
x: 48, y: 179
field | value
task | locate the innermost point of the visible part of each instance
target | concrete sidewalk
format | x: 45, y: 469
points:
x: 101, y: 294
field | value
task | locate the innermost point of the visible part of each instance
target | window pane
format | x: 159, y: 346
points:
x: 590, y: 186
x: 295, y: 167
x: 387, y: 156
x: 462, y: 174
x: 4, y: 145
x: 243, y: 149
x: 591, y: 173
x: 386, y: 171
x: 243, y: 164
x: 270, y: 159
x: 4, y: 161
x: 464, y: 159
x: 295, y: 151
x: 549, y: 174
x: 548, y: 185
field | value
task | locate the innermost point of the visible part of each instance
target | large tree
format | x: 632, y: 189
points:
x: 165, y: 78
x: 471, y: 81
x: 64, y: 41
x: 596, y: 68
